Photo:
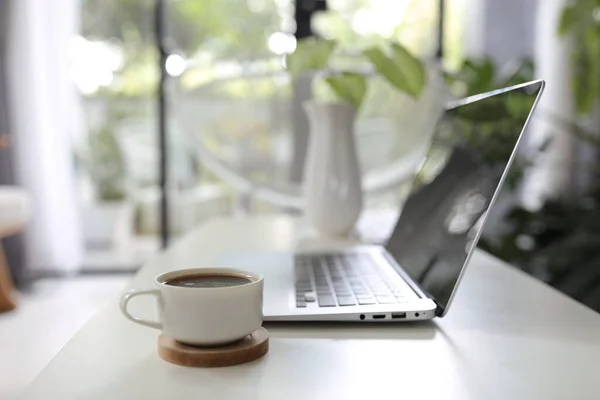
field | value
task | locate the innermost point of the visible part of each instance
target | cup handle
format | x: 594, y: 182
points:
x: 131, y: 294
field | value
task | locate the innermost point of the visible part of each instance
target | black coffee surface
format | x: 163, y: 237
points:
x: 208, y: 281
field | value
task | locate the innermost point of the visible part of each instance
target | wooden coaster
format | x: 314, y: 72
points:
x: 248, y: 349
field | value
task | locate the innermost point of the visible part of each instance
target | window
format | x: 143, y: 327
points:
x: 228, y: 94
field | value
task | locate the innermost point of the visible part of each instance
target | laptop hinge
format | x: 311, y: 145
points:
x: 418, y: 289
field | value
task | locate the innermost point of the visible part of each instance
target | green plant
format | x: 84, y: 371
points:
x: 396, y: 65
x: 103, y: 161
x: 481, y: 75
x: 560, y: 242
x: 580, y: 22
x: 488, y: 129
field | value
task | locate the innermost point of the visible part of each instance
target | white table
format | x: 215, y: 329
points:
x: 506, y: 337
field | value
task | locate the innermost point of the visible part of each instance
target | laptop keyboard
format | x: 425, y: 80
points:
x: 344, y: 280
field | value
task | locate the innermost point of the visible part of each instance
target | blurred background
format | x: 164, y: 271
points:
x: 81, y: 88
x: 86, y: 86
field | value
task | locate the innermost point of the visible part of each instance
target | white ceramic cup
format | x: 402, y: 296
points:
x: 204, y: 316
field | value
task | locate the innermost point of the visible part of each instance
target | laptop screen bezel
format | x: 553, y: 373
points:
x: 539, y: 85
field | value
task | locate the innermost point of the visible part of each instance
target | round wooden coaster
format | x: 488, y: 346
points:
x: 248, y: 349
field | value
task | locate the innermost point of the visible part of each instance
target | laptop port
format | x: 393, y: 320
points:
x: 398, y: 315
x: 379, y: 316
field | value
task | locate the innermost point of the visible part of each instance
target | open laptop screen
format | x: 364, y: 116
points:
x: 464, y: 167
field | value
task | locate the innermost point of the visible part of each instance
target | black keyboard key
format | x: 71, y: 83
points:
x: 326, y: 301
x: 366, y: 300
x: 346, y: 301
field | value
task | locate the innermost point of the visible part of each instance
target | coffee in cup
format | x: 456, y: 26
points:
x: 204, y: 306
x: 209, y: 281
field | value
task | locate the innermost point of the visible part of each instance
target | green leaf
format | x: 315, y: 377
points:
x: 349, y: 86
x: 385, y: 67
x: 403, y: 71
x: 518, y: 105
x: 568, y: 19
x: 411, y: 67
x: 586, y: 77
x: 310, y: 54
x: 478, y: 75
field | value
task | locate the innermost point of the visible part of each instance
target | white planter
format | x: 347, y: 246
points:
x: 107, y: 225
x: 332, y: 179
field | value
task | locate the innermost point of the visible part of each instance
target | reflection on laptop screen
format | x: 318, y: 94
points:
x: 441, y: 219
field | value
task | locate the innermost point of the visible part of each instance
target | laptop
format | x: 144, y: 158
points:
x: 416, y: 274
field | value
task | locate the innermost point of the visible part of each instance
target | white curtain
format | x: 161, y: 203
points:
x: 554, y: 173
x: 45, y: 113
x: 508, y: 30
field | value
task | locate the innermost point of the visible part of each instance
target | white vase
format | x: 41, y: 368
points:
x: 332, y: 179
